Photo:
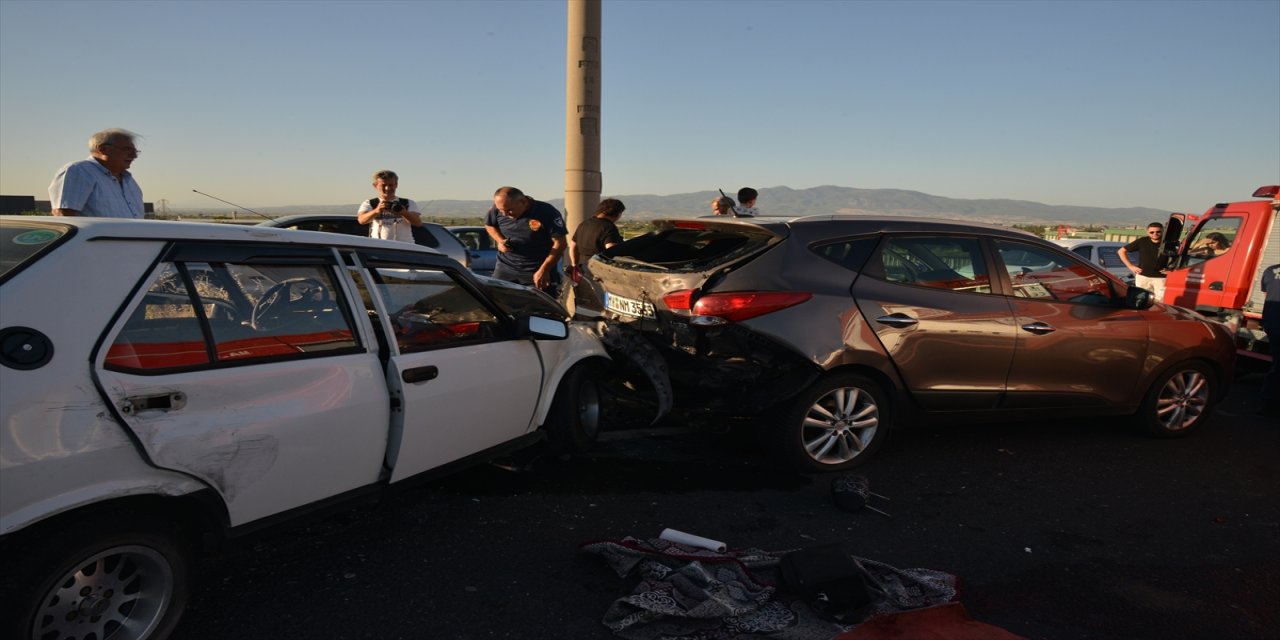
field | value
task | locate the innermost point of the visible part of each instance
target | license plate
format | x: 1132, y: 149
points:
x: 628, y: 307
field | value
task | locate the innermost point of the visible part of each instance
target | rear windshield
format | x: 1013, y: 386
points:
x: 22, y: 243
x: 686, y: 249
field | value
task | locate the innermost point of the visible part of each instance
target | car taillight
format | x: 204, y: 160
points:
x: 736, y: 306
x: 679, y: 300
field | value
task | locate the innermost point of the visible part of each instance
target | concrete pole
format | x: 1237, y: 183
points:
x: 582, y: 178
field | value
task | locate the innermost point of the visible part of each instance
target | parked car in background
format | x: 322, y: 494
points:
x: 217, y: 378
x: 1103, y: 253
x: 429, y: 235
x: 837, y: 328
x: 480, y: 247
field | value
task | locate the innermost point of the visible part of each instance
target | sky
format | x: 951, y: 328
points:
x: 1172, y: 105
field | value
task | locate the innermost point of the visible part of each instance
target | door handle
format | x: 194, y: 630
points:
x: 1039, y: 328
x: 899, y: 320
x: 420, y: 374
x: 1216, y: 285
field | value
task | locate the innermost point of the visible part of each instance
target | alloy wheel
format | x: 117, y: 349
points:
x: 840, y: 425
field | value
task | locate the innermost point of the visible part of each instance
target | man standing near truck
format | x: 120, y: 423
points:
x: 1150, y: 271
x: 1271, y: 325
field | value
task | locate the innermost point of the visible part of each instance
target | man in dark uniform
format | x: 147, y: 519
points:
x: 531, y: 238
x: 594, y: 235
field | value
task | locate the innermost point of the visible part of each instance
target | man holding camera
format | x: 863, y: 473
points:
x: 389, y: 217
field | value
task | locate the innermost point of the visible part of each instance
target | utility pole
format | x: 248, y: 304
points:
x: 582, y: 179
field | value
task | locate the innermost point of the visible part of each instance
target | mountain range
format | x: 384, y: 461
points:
x: 815, y: 200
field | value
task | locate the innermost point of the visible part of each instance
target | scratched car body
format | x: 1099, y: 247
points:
x: 834, y: 328
x: 166, y: 385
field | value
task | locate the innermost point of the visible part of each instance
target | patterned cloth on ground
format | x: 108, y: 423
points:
x: 689, y: 593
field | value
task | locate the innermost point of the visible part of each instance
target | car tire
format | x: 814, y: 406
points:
x: 1180, y: 401
x: 574, y: 419
x: 834, y: 425
x: 117, y: 578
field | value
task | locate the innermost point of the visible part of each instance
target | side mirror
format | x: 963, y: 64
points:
x: 1138, y: 298
x: 543, y: 328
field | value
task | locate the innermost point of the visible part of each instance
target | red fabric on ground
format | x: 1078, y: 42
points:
x: 944, y: 622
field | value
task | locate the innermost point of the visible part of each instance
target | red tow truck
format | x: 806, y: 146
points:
x: 1217, y: 268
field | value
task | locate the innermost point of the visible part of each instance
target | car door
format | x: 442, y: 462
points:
x: 463, y: 382
x: 1076, y: 345
x: 244, y: 366
x: 929, y: 300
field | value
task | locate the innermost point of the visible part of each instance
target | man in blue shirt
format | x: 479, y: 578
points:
x: 531, y: 238
x: 100, y: 185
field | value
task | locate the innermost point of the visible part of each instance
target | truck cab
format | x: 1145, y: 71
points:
x: 1217, y: 268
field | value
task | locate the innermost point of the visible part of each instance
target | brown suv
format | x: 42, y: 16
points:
x: 837, y: 327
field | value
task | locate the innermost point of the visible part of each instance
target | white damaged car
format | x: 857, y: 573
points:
x: 165, y: 385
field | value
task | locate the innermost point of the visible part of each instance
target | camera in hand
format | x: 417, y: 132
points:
x: 395, y: 206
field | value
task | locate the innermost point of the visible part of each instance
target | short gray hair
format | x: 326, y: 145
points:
x: 108, y: 136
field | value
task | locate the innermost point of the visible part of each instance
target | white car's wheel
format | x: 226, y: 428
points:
x: 574, y: 420
x: 101, y: 580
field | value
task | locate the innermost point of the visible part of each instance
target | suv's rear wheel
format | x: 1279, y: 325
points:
x: 118, y: 578
x: 1179, y: 401
x: 837, y: 424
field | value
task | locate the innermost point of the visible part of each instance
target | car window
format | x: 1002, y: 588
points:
x: 22, y: 243
x: 232, y: 314
x: 425, y: 237
x: 1041, y: 273
x: 940, y: 262
x: 1084, y: 251
x: 429, y: 309
x: 1109, y: 257
x: 1213, y: 238
x: 475, y: 239
x: 351, y: 227
x: 687, y: 249
x: 850, y: 254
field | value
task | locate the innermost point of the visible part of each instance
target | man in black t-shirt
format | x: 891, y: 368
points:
x: 594, y: 235
x: 1150, y: 271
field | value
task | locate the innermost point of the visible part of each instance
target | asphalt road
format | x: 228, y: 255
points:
x: 1057, y: 530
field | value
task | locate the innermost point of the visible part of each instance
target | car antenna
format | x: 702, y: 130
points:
x: 234, y: 204
x: 732, y: 204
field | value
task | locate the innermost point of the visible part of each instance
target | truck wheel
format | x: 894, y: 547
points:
x: 1180, y: 400
x: 574, y: 419
x: 100, y: 578
x: 836, y: 424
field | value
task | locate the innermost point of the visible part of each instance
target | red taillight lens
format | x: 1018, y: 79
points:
x: 736, y: 306
x: 1271, y: 191
x: 679, y: 300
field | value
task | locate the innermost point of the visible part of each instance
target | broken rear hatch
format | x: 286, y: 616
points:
x: 651, y: 284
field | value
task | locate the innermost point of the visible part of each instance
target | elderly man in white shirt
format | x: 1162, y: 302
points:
x: 100, y: 185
